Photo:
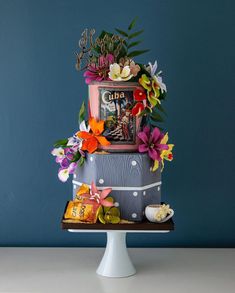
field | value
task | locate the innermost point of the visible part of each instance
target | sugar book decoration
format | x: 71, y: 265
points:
x: 120, y: 146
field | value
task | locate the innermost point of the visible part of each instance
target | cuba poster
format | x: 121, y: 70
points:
x: 115, y: 109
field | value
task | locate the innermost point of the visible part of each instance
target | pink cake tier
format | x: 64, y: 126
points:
x: 112, y: 101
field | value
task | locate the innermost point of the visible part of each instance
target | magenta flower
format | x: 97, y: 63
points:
x: 99, y: 71
x: 151, y: 143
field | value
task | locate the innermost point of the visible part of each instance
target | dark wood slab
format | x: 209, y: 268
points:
x: 138, y: 226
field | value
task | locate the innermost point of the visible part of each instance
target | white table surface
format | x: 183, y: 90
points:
x: 158, y: 270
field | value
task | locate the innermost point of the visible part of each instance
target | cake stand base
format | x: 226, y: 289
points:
x: 116, y: 262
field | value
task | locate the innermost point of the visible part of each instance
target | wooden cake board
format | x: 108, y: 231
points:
x: 116, y: 262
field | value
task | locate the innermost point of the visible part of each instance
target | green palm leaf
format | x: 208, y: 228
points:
x: 132, y: 24
x: 131, y: 36
x: 137, y: 53
x: 133, y: 44
x: 121, y: 32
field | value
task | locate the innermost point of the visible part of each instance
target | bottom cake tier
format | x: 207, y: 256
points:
x: 133, y: 184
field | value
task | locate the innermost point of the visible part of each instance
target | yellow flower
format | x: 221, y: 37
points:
x: 165, y: 154
x: 166, y: 208
x: 162, y: 212
x: 158, y: 216
x: 145, y: 82
x: 152, y: 87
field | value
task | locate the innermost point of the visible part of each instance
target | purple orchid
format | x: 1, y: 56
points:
x: 99, y: 71
x: 69, y: 153
x: 64, y: 157
x: 151, y: 143
x: 73, y: 140
x: 64, y: 172
x: 64, y: 163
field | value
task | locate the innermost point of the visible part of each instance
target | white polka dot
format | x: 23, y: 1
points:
x: 133, y: 163
x: 135, y: 193
x: 134, y: 215
x: 144, y: 193
x: 159, y: 188
x: 101, y: 181
x: 74, y: 187
x: 116, y: 204
x: 91, y: 159
x: 74, y: 176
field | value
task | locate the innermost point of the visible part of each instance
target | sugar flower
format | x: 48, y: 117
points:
x: 83, y: 126
x: 68, y: 155
x: 158, y: 80
x: 124, y: 70
x: 74, y: 142
x: 162, y: 213
x: 63, y: 173
x: 152, y: 88
x: 152, y: 68
x: 165, y: 154
x: 119, y: 73
x: 65, y: 157
x: 134, y: 68
x: 58, y: 152
x: 99, y: 71
x: 98, y: 196
x: 151, y: 143
x: 92, y: 140
x: 140, y: 98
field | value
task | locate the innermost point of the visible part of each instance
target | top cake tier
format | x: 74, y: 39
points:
x: 113, y: 103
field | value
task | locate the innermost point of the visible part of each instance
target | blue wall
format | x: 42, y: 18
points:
x: 41, y: 92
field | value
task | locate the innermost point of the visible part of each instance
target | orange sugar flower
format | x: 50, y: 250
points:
x: 92, y: 140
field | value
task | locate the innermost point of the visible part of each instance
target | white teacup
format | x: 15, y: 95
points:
x: 152, y: 210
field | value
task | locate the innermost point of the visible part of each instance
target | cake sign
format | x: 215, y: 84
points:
x: 110, y: 96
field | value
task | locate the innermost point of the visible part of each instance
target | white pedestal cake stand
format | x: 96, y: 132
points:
x: 116, y: 262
